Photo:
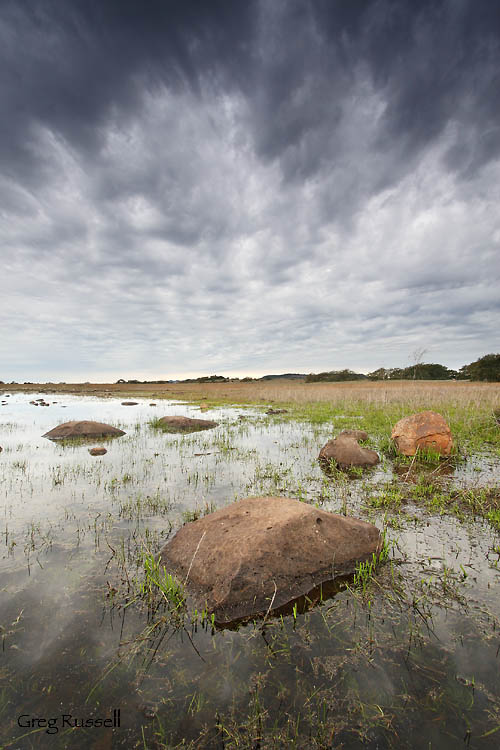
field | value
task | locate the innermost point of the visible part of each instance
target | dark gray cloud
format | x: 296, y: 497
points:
x: 247, y: 186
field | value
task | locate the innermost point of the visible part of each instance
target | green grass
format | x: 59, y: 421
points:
x: 158, y: 583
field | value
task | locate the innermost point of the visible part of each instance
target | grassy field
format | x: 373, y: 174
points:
x: 411, y: 394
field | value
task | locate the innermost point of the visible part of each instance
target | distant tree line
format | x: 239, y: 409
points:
x: 217, y: 379
x: 485, y: 368
x: 334, y: 376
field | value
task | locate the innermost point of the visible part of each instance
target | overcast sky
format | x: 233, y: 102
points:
x: 247, y: 187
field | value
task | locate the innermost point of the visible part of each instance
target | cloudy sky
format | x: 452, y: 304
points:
x: 241, y: 187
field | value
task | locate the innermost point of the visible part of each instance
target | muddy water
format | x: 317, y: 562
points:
x: 412, y: 661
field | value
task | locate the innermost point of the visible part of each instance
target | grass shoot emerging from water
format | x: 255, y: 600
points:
x: 158, y: 583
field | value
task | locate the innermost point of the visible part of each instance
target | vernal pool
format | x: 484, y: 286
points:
x: 407, y: 659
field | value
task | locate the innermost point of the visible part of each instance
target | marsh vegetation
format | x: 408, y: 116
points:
x: 405, y: 655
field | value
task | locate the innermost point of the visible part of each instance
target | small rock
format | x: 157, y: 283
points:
x: 356, y: 434
x: 129, y: 403
x: 185, y: 424
x: 277, y: 411
x: 152, y: 404
x: 346, y: 452
x: 99, y: 451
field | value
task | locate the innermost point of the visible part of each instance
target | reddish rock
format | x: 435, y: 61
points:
x: 425, y: 430
x: 264, y: 551
x: 99, y: 451
x: 185, y: 424
x: 82, y: 429
x: 346, y: 452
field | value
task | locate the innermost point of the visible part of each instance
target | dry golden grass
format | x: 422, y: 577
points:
x: 417, y: 394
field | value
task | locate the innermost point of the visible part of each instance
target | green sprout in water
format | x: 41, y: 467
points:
x: 157, y: 580
x: 365, y: 570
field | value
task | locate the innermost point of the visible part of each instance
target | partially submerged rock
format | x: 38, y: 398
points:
x: 129, y: 403
x: 185, y: 424
x: 98, y: 451
x: 426, y: 430
x: 356, y: 434
x: 82, y: 429
x: 262, y: 552
x: 346, y: 453
x: 277, y: 411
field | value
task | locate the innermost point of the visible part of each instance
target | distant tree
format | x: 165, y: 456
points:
x: 397, y: 373
x: 420, y: 371
x: 381, y: 374
x: 417, y: 357
x: 334, y: 376
x: 424, y: 371
x: 485, y: 368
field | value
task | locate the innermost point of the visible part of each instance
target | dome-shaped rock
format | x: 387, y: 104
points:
x: 425, y: 430
x: 185, y: 424
x: 346, y: 452
x: 83, y: 429
x: 129, y: 403
x: 263, y: 550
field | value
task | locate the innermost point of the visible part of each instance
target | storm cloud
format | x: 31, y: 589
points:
x: 247, y: 187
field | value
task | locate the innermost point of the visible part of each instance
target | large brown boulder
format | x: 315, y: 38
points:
x: 425, y: 430
x: 346, y: 452
x: 83, y: 429
x: 185, y: 424
x: 263, y: 550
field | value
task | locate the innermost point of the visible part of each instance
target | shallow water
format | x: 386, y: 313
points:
x: 413, y: 661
